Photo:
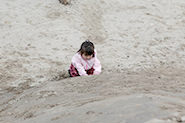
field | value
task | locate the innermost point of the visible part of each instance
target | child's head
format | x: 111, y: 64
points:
x: 87, y: 50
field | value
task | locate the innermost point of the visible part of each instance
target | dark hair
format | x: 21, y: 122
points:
x: 87, y: 47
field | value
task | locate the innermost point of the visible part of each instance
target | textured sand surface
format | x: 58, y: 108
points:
x: 141, y: 46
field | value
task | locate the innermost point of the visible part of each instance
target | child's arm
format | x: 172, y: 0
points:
x: 97, y: 66
x: 77, y: 64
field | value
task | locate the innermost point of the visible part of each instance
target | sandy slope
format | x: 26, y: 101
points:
x: 142, y: 41
x: 126, y: 98
x: 39, y: 37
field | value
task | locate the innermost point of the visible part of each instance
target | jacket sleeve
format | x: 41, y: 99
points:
x: 97, y: 65
x: 77, y: 64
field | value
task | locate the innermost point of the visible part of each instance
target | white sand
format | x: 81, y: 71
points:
x: 39, y: 37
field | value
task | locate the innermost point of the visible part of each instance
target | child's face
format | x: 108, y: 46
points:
x: 86, y: 57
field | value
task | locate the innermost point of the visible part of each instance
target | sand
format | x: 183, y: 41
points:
x: 141, y: 46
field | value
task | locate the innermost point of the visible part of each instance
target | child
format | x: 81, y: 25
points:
x: 85, y: 61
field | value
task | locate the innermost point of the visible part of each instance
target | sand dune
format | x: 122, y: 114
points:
x: 141, y: 46
x: 126, y: 97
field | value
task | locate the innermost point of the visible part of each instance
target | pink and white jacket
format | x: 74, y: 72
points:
x: 81, y: 65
